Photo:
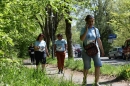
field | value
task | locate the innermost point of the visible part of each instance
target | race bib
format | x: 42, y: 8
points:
x: 89, y: 41
x: 59, y: 48
x: 41, y: 48
x: 32, y: 52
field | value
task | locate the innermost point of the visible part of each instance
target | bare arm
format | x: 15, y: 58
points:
x: 54, y: 48
x: 100, y: 46
x: 65, y: 47
x: 82, y: 37
x: 36, y: 48
x: 46, y: 51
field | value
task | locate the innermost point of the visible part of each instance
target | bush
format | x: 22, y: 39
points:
x: 125, y: 73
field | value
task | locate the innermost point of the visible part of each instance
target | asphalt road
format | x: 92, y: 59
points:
x: 114, y: 61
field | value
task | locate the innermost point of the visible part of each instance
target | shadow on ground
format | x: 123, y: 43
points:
x: 111, y: 81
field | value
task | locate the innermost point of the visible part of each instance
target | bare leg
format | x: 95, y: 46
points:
x: 85, y: 72
x: 97, y: 73
x: 43, y: 66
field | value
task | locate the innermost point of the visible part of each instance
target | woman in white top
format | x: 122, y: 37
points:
x: 40, y: 51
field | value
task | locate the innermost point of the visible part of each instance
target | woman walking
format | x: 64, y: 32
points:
x: 91, y: 34
x: 40, y: 51
x: 60, y: 51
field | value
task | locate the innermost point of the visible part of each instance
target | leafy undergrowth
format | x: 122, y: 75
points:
x: 125, y: 72
x: 12, y: 73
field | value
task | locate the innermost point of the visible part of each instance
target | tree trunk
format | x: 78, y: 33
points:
x: 46, y: 32
x: 69, y: 37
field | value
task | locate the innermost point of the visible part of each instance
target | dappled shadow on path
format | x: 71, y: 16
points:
x: 89, y: 84
x: 110, y: 82
x: 105, y: 83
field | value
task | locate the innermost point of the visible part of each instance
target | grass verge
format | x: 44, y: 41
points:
x: 12, y: 73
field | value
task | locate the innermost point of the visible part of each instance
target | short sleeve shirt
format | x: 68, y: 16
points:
x: 41, y: 44
x: 91, y: 35
x: 60, y: 45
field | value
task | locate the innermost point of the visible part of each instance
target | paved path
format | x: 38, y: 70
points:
x: 76, y: 76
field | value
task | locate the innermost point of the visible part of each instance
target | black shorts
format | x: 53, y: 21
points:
x: 40, y: 57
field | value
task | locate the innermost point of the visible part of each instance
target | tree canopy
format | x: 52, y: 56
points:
x: 22, y: 20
